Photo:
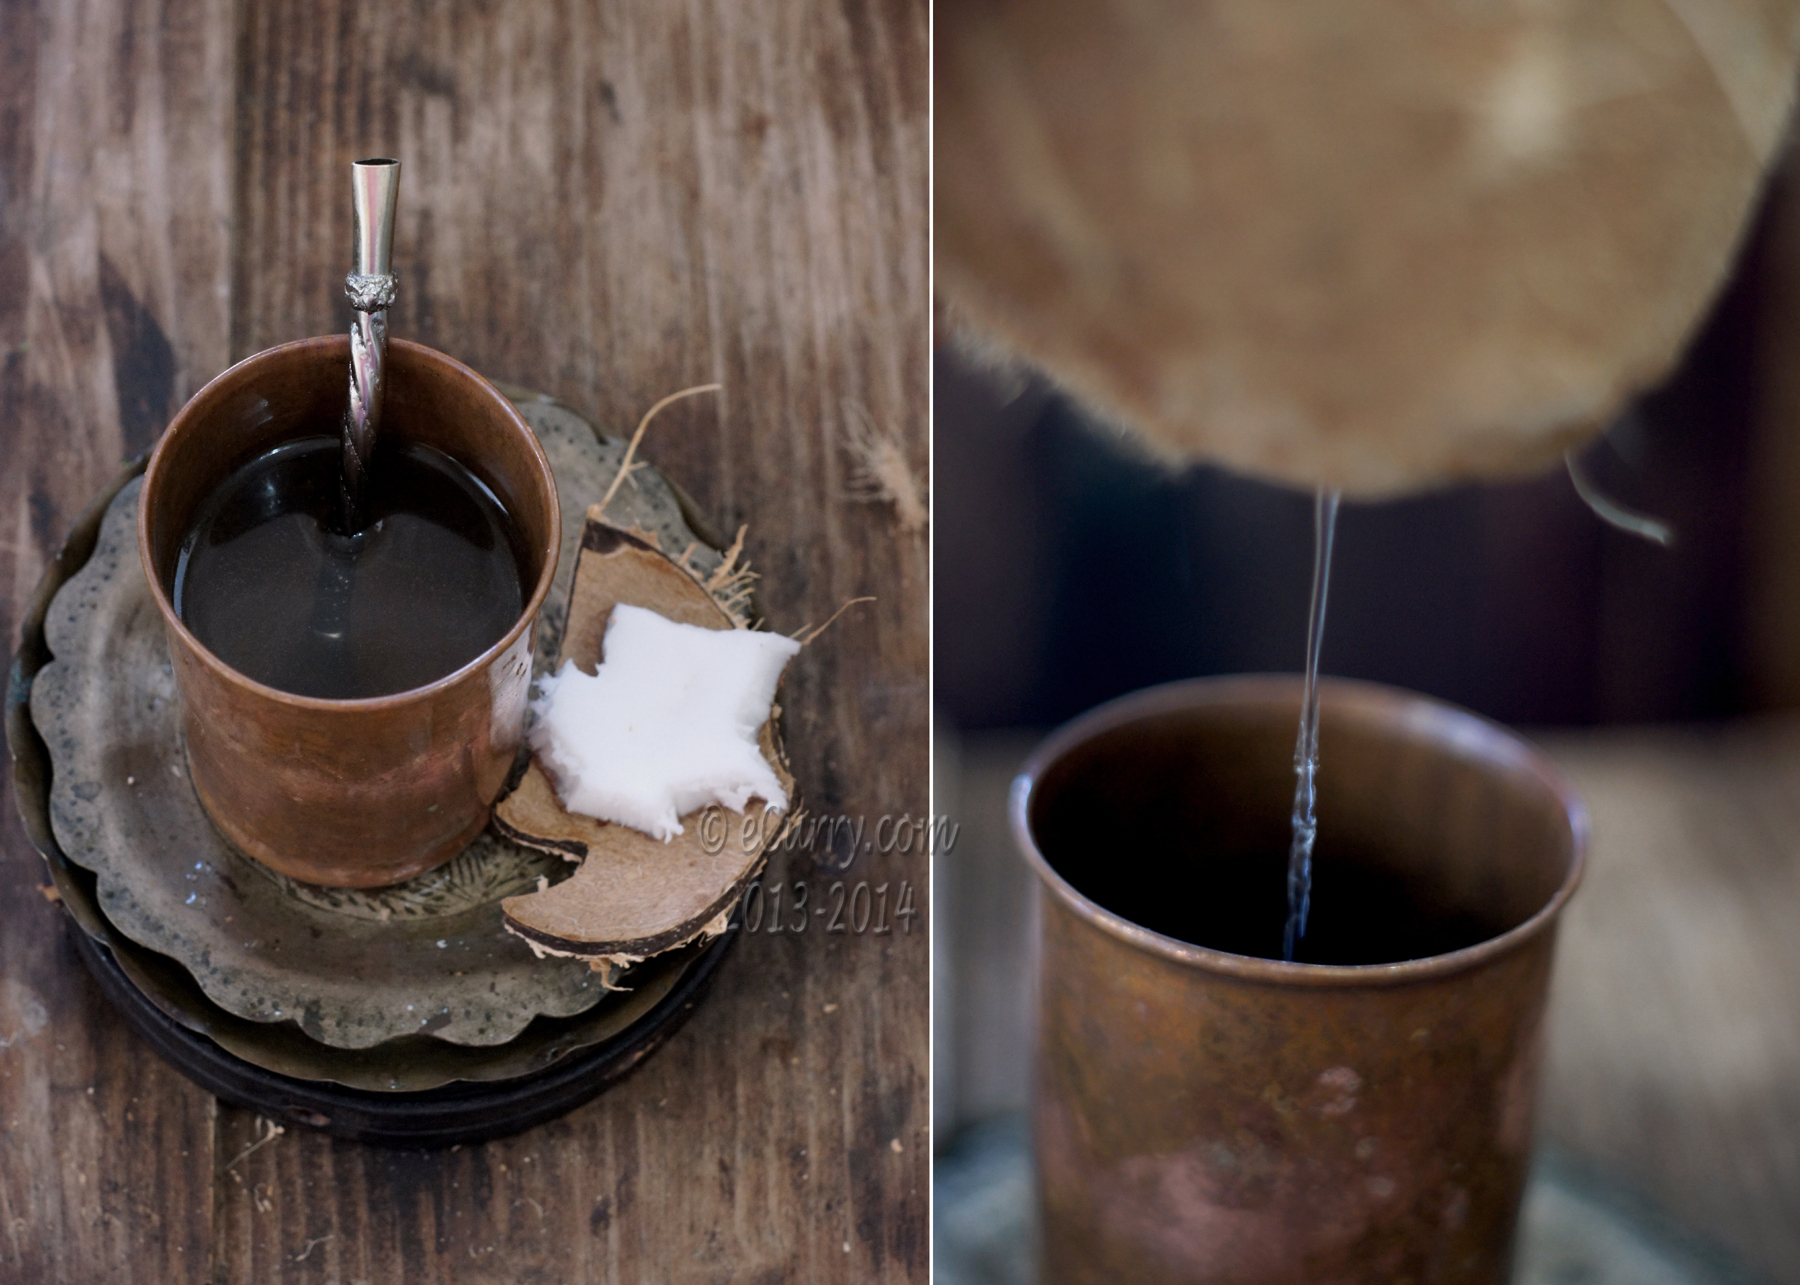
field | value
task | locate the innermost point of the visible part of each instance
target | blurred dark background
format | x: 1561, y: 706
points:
x: 1069, y: 569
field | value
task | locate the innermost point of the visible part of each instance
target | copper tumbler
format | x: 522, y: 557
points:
x: 352, y: 793
x: 1209, y: 1113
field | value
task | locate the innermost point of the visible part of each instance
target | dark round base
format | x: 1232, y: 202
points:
x: 453, y: 1114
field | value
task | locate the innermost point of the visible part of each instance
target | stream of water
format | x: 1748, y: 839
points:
x: 1306, y: 749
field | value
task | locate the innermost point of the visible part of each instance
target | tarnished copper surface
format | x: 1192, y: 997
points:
x: 354, y: 793
x: 1212, y: 1117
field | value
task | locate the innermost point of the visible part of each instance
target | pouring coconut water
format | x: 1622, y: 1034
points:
x: 1363, y: 249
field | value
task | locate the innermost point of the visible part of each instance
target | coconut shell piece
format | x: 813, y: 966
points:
x: 1370, y: 244
x: 634, y: 896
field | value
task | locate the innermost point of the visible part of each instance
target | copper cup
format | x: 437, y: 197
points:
x: 352, y: 793
x: 1206, y: 1115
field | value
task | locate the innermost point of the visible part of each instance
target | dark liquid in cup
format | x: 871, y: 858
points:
x: 267, y: 584
x: 1362, y: 912
x: 1188, y: 838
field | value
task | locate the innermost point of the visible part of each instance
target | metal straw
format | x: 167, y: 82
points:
x: 374, y: 186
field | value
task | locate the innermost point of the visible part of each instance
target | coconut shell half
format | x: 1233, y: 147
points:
x: 1370, y: 244
x: 634, y: 896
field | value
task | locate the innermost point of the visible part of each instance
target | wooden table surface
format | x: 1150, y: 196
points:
x: 608, y: 202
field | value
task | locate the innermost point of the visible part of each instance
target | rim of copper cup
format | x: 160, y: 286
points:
x: 526, y: 614
x: 1247, y: 689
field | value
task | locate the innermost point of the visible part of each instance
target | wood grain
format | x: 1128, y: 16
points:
x: 114, y: 226
x: 1674, y: 1051
x: 607, y: 202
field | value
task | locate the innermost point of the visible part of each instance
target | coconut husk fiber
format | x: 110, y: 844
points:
x: 633, y: 896
x: 1368, y: 244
